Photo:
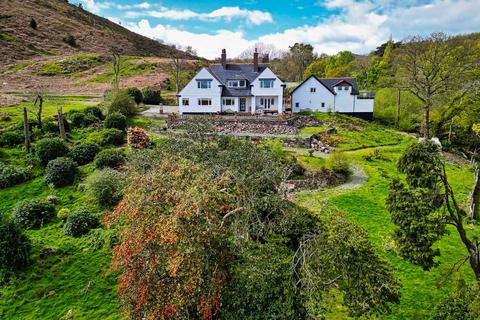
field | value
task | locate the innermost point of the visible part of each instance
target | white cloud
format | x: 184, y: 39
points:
x: 255, y: 17
x: 143, y: 5
x: 95, y: 7
x: 359, y: 27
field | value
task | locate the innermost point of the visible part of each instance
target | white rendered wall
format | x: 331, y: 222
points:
x: 193, y: 93
x: 344, y: 100
x: 312, y: 100
x: 364, y: 105
x: 276, y: 91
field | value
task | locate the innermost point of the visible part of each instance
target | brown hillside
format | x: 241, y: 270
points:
x: 56, y: 19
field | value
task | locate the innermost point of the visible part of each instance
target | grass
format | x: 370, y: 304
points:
x: 310, y: 163
x: 71, y: 66
x: 146, y: 122
x: 7, y: 37
x: 421, y: 289
x: 50, y: 106
x: 18, y: 67
x: 128, y: 68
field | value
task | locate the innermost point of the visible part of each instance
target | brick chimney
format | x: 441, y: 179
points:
x: 224, y: 58
x: 255, y: 61
x: 266, y: 58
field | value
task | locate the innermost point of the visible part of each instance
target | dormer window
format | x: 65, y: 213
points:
x: 204, y: 83
x: 339, y: 88
x: 267, y: 83
x: 236, y: 83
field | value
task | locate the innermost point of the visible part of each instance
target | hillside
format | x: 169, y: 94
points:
x: 56, y: 20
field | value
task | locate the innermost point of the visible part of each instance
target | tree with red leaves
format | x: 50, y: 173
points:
x: 172, y: 253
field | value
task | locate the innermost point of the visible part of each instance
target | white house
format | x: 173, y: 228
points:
x: 332, y: 95
x: 228, y: 87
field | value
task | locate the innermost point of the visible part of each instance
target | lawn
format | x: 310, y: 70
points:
x: 421, y: 289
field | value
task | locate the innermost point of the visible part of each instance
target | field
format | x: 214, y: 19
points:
x: 77, y: 279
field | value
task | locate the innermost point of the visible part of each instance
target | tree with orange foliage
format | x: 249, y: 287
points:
x: 173, y: 254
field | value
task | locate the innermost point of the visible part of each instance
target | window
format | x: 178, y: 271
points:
x: 323, y: 104
x: 204, y: 102
x: 272, y: 101
x: 313, y: 90
x: 228, y: 102
x: 185, y: 102
x: 204, y: 84
x: 266, y: 83
x: 297, y: 105
x: 236, y: 83
x: 339, y: 88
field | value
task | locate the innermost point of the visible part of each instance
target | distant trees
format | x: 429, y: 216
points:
x: 339, y: 65
x: 262, y: 49
x: 423, y: 207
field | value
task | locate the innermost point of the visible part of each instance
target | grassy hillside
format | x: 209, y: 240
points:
x: 56, y: 20
x: 77, y: 279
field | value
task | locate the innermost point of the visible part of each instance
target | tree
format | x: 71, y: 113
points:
x: 422, y: 208
x: 172, y: 252
x: 262, y: 49
x: 434, y: 66
x: 301, y: 55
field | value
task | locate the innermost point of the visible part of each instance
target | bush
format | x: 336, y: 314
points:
x: 11, y: 175
x: 80, y: 223
x: 94, y: 111
x: 61, y: 172
x: 338, y: 162
x: 63, y: 213
x: 112, y: 158
x: 14, y: 246
x: 50, y: 127
x: 120, y: 101
x: 116, y: 120
x: 105, y: 186
x: 11, y: 138
x: 84, y: 152
x: 151, y: 95
x: 52, y: 199
x: 70, y: 40
x: 80, y: 119
x: 136, y: 94
x: 33, y: 24
x: 137, y: 138
x: 110, y: 136
x: 50, y: 148
x: 32, y: 213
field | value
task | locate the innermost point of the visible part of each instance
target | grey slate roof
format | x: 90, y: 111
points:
x: 233, y: 72
x: 330, y: 83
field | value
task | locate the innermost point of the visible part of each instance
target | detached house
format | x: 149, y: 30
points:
x: 332, y: 95
x: 229, y: 87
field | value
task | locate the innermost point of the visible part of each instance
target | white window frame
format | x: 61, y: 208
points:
x: 209, y: 101
x: 201, y: 82
x: 263, y: 82
x: 185, y: 102
x: 230, y: 100
x: 236, y: 83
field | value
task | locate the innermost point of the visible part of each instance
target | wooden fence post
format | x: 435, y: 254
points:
x: 61, y: 124
x: 26, y: 130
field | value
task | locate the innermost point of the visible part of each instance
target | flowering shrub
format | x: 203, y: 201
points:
x: 137, y: 138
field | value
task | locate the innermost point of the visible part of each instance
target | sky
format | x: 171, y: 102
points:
x: 330, y: 26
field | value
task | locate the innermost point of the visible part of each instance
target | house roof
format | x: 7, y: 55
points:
x: 243, y: 71
x: 331, y: 83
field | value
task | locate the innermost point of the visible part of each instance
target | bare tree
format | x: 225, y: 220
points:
x: 176, y: 69
x: 434, y: 66
x: 116, y: 54
x: 262, y: 49
x: 39, y: 100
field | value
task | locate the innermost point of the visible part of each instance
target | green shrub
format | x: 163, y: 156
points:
x: 33, y: 24
x: 63, y: 213
x: 94, y: 111
x: 14, y: 246
x: 461, y: 303
x: 136, y: 94
x: 84, y: 152
x: 80, y: 119
x: 105, y: 186
x: 11, y: 138
x: 11, y: 175
x: 120, y: 101
x: 151, y: 95
x: 50, y: 127
x: 338, y: 162
x: 80, y: 223
x: 113, y: 137
x: 70, y: 40
x: 61, y: 172
x: 32, y: 213
x: 50, y: 148
x: 116, y: 120
x: 112, y: 158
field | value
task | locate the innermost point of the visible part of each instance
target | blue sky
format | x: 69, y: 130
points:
x: 330, y: 26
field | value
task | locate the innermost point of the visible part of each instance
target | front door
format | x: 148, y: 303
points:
x: 243, y: 104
